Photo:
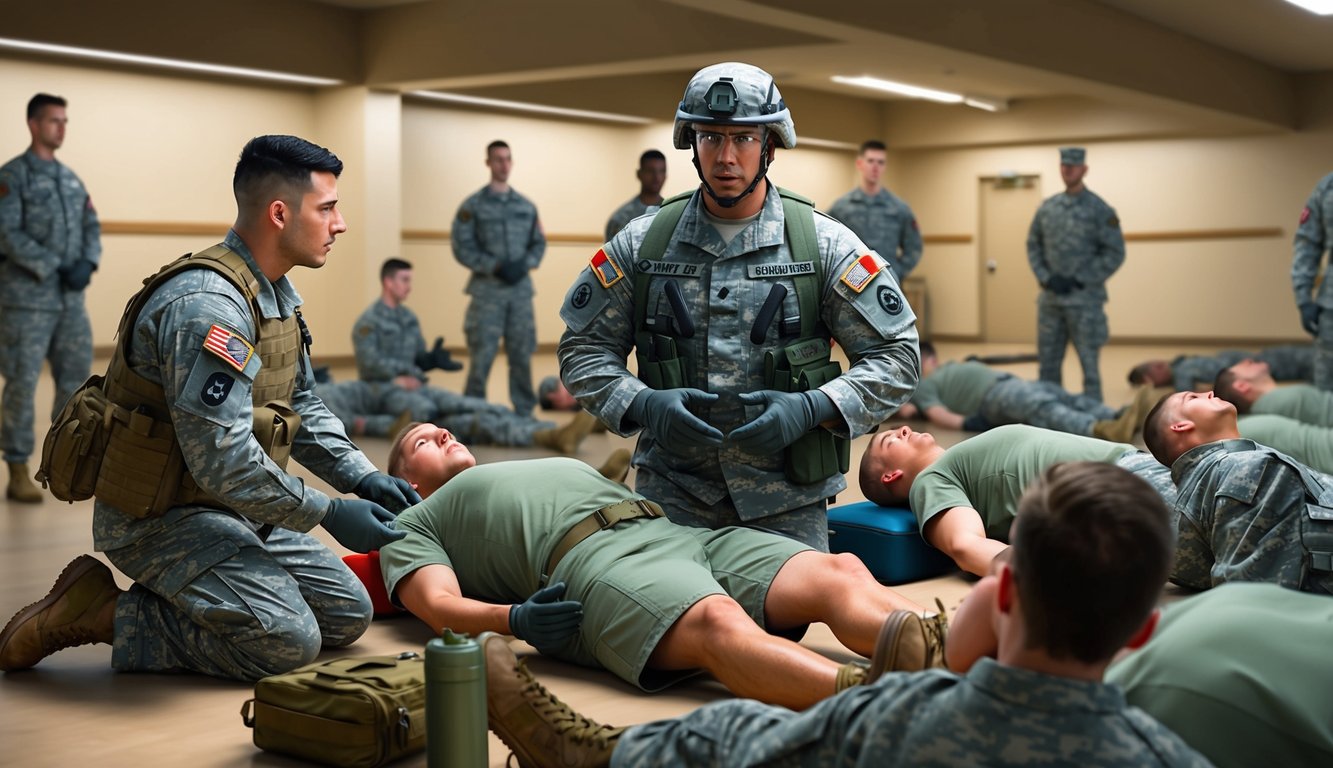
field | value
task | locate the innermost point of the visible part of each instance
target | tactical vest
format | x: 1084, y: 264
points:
x: 143, y: 472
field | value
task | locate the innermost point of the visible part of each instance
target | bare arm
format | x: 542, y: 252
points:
x: 432, y: 594
x: 942, y: 416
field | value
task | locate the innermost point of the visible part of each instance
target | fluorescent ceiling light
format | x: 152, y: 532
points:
x: 522, y: 106
x: 988, y: 104
x: 1321, y: 7
x: 902, y: 89
x: 155, y: 61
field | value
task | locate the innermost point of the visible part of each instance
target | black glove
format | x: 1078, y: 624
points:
x: 1060, y: 284
x: 666, y: 414
x: 544, y: 620
x: 361, y: 526
x: 323, y: 375
x: 393, y: 493
x: 512, y: 271
x: 437, y: 357
x: 76, y: 276
x: 786, y: 416
x: 1310, y: 318
x: 976, y: 423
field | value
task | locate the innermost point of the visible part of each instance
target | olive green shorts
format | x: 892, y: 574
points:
x: 638, y: 578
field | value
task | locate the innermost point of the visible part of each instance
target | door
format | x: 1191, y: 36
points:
x: 1008, y: 289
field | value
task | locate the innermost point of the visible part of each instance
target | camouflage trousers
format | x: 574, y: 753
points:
x: 479, y: 421
x: 807, y: 524
x: 1323, y: 351
x: 29, y: 337
x: 1012, y: 400
x: 1085, y: 326
x: 506, y: 314
x: 210, y: 596
x: 1146, y: 468
x: 1289, y: 362
x: 377, y: 406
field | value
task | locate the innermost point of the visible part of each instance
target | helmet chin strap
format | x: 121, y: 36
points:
x: 730, y: 202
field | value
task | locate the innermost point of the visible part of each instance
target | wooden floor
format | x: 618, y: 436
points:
x: 73, y: 710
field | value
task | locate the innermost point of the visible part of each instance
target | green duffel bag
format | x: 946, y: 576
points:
x: 353, y: 712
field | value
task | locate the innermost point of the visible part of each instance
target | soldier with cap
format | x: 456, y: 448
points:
x: 880, y: 218
x: 729, y: 296
x: 651, y: 175
x: 1074, y: 246
x: 211, y: 386
x: 49, y: 248
x: 1314, y: 238
x: 498, y: 236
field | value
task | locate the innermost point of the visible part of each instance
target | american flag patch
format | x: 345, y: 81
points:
x: 862, y: 271
x: 608, y: 274
x: 228, y: 346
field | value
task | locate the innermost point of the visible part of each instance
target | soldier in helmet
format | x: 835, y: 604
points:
x: 729, y: 296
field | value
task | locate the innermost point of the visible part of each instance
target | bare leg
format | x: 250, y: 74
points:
x: 960, y: 534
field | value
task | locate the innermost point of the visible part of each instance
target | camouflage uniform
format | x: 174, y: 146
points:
x: 714, y: 487
x: 489, y: 230
x: 1314, y: 236
x: 386, y: 340
x: 377, y: 406
x: 216, y: 591
x: 1078, y: 237
x: 626, y: 213
x: 885, y: 223
x: 47, y: 221
x: 996, y: 715
x: 1288, y: 362
x: 1007, y: 399
x: 1250, y: 513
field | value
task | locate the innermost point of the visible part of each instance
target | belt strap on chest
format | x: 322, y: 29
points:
x: 606, y: 517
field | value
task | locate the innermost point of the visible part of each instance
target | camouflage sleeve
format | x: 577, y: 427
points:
x: 875, y: 327
x: 372, y: 364
x: 92, y: 231
x: 210, y: 404
x: 599, y: 334
x: 1037, y: 251
x: 536, y: 242
x: 1193, y: 567
x: 1309, y: 246
x: 467, y: 247
x: 1109, y: 252
x: 321, y: 444
x: 614, y: 224
x: 910, y: 242
x: 15, y: 243
x: 839, y: 210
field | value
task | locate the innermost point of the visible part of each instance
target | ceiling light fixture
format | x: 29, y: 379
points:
x: 1320, y: 7
x: 987, y: 103
x: 522, y: 106
x: 902, y: 89
x: 163, y: 63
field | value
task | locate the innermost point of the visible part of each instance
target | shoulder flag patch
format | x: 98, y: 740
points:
x: 862, y: 271
x: 228, y: 346
x: 608, y: 274
x: 1305, y: 214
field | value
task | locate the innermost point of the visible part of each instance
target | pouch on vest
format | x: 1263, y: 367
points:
x: 275, y: 427
x: 801, y: 366
x: 143, y: 470
x: 72, y: 450
x: 660, y: 364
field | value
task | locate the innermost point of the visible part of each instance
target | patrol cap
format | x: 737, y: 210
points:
x: 1072, y: 155
x: 733, y: 93
x: 548, y: 385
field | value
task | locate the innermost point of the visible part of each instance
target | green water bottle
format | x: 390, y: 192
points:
x: 455, y: 702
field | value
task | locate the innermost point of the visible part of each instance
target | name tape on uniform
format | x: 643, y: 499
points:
x: 862, y: 271
x: 669, y: 268
x: 782, y: 269
x: 608, y: 274
x: 228, y: 346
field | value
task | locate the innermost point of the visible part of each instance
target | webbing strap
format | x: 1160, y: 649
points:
x: 654, y: 246
x: 604, y: 518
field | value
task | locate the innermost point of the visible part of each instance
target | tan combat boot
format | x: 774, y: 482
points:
x: 617, y: 466
x: 21, y: 487
x: 540, y: 729
x: 399, y: 424
x: 908, y: 642
x: 566, y: 439
x: 79, y: 609
x: 1129, y: 421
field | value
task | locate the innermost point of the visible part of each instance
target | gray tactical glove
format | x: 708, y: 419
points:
x: 544, y: 620
x: 361, y: 526
x: 393, y: 493
x: 665, y: 413
x: 1310, y: 318
x: 1060, y: 284
x: 76, y: 276
x: 512, y: 271
x: 787, y: 416
x: 437, y: 357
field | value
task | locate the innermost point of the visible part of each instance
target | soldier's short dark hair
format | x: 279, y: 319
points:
x: 494, y: 145
x: 1092, y: 547
x: 927, y: 349
x: 651, y: 154
x: 270, y: 162
x: 42, y: 100
x: 393, y: 266
x: 1224, y: 386
x: 1155, y: 425
x: 872, y: 144
x: 1139, y: 373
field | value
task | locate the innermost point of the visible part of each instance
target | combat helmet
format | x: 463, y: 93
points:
x: 733, y: 93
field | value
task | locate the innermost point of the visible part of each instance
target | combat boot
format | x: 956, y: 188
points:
x: 907, y: 642
x: 566, y: 439
x: 617, y: 466
x: 79, y: 609
x: 399, y: 424
x: 540, y: 729
x: 21, y: 487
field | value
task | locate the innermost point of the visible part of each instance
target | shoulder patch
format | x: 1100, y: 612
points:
x: 364, y: 330
x: 464, y: 215
x: 1305, y: 212
x: 862, y: 271
x: 4, y: 190
x: 604, y: 267
x: 1113, y: 221
x: 216, y: 389
x: 229, y: 346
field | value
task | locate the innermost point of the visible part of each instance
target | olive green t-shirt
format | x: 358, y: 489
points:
x: 956, y: 386
x: 1306, y: 443
x: 990, y: 471
x: 496, y: 525
x: 1301, y: 402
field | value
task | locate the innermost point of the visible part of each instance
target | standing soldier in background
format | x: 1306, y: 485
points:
x: 651, y: 176
x: 498, y: 236
x: 729, y: 296
x: 1074, y: 246
x: 1314, y: 237
x: 879, y: 217
x: 50, y: 245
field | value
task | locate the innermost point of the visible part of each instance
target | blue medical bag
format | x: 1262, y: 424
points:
x: 887, y: 540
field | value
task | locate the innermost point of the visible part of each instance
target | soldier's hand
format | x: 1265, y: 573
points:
x: 786, y: 416
x: 1060, y: 285
x: 1310, y: 318
x: 76, y: 276
x: 437, y: 357
x: 512, y: 271
x: 359, y: 525
x: 544, y: 620
x: 393, y: 493
x: 665, y: 412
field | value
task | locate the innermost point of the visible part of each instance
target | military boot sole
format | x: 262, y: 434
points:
x: 894, y: 651
x: 81, y: 566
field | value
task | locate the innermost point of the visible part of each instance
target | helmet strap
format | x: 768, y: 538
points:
x: 730, y: 202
